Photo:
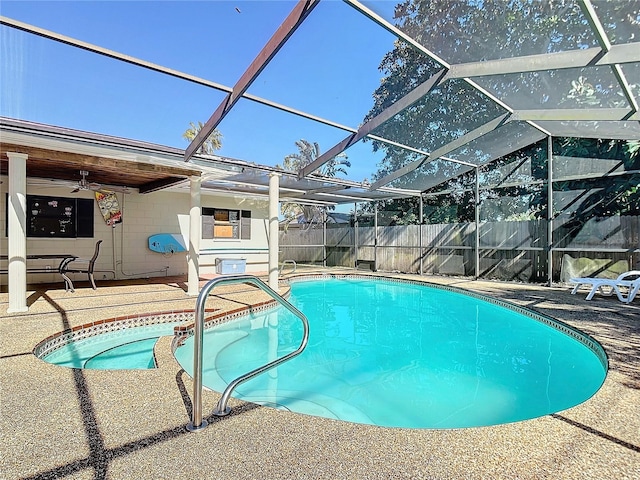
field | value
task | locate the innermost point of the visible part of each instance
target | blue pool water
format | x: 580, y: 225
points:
x: 401, y: 355
x: 127, y: 349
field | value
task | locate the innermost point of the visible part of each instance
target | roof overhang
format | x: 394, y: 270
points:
x: 61, y: 153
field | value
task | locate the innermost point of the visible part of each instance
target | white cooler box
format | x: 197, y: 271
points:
x: 226, y: 266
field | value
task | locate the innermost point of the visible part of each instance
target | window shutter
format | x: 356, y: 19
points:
x: 84, y: 218
x: 245, y: 225
x: 207, y: 226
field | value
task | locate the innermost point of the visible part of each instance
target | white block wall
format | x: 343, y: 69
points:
x: 125, y: 247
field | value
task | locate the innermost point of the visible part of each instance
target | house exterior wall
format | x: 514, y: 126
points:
x: 255, y: 250
x: 124, y: 251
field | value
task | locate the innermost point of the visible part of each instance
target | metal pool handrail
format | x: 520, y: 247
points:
x: 197, y: 422
x: 285, y: 263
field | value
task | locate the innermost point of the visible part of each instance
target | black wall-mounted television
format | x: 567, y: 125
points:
x: 57, y: 217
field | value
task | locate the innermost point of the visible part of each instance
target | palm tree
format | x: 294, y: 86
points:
x: 307, y: 153
x: 210, y: 145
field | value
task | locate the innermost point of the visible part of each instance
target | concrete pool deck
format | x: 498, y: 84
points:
x: 92, y: 424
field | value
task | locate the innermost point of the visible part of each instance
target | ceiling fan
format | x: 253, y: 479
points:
x: 81, y: 185
x: 84, y: 185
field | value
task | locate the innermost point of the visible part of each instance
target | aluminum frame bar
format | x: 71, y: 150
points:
x: 400, y: 34
x: 48, y: 34
x: 396, y: 31
x: 409, y: 99
x: 550, y: 215
x: 589, y: 57
x: 626, y: 90
x: 603, y: 39
x: 161, y: 69
x: 438, y: 153
x: 299, y: 13
x: 595, y: 24
x: 575, y: 114
x: 330, y: 189
x: 416, y: 150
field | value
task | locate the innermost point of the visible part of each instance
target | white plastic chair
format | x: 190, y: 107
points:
x: 609, y: 286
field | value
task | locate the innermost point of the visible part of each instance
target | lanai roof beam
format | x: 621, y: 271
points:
x: 302, y: 9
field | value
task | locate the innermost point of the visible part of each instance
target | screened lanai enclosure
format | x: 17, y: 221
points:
x: 495, y: 139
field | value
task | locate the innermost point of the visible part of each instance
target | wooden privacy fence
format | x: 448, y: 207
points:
x: 506, y: 250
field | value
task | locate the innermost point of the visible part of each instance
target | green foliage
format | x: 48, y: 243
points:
x: 403, y: 211
x: 210, y: 145
x: 307, y: 153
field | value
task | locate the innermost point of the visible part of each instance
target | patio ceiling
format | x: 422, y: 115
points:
x: 57, y: 155
x: 480, y: 87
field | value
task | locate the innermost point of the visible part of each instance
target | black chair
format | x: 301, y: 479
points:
x: 71, y: 267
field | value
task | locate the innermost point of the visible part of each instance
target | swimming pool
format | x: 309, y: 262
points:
x: 125, y: 348
x: 404, y: 354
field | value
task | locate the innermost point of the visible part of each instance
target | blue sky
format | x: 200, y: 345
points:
x: 329, y: 68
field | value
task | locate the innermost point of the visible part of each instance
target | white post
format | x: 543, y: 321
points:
x: 477, y: 220
x: 274, y: 200
x: 195, y: 227
x: 324, y: 238
x: 355, y: 235
x: 17, y: 222
x: 375, y: 236
x: 420, y: 222
x: 549, y: 211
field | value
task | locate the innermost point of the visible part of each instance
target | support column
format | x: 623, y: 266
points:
x: 324, y: 238
x: 17, y: 223
x: 375, y: 236
x: 274, y: 200
x: 420, y: 222
x: 355, y: 235
x: 477, y: 218
x: 549, y: 211
x: 195, y: 227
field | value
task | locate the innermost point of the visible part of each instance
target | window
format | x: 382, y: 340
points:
x: 223, y: 223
